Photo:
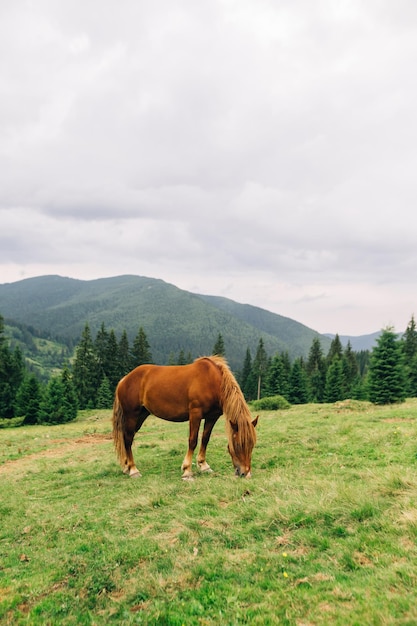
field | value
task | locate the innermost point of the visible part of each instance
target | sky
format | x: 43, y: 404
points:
x: 260, y: 150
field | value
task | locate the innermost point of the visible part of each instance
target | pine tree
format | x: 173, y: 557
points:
x: 181, y: 358
x: 52, y: 407
x: 112, y: 367
x: 87, y: 373
x: 298, y: 391
x: 124, y: 357
x: 219, y: 348
x: 141, y: 351
x: 410, y: 341
x: 350, y: 371
x: 334, y: 381
x: 245, y: 377
x: 100, y: 348
x: 6, y: 390
x: 387, y: 383
x: 105, y: 394
x: 409, y: 344
x: 12, y: 372
x: 286, y: 364
x: 18, y: 369
x: 70, y: 401
x: 29, y: 399
x: 260, y: 366
x: 362, y: 358
x: 335, y: 350
x: 277, y: 382
x: 316, y: 370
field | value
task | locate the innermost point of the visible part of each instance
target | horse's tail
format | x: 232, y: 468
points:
x: 118, y: 429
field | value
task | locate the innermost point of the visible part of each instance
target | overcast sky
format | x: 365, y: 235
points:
x: 265, y: 151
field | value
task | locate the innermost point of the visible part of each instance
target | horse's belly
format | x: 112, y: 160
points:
x: 177, y: 418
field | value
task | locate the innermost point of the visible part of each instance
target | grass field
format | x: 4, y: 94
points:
x: 325, y: 532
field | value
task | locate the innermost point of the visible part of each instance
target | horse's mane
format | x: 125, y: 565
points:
x: 236, y: 411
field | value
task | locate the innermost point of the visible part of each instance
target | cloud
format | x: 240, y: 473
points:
x: 264, y: 151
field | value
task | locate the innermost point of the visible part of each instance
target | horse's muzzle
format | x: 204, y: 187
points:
x: 241, y: 474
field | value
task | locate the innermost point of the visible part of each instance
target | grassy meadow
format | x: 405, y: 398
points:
x: 325, y: 532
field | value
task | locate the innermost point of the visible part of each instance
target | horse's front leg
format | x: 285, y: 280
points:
x: 201, y: 459
x: 195, y: 421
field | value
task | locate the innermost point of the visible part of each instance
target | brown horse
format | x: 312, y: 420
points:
x: 204, y: 389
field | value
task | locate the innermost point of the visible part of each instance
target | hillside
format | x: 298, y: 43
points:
x: 173, y: 319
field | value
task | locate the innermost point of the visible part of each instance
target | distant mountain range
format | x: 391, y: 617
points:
x: 363, y: 342
x: 173, y: 319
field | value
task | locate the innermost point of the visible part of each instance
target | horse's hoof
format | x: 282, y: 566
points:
x: 136, y: 475
x: 206, y: 469
x: 190, y: 478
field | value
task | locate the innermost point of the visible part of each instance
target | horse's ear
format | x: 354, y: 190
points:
x: 255, y: 421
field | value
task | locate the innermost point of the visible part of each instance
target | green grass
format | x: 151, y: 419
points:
x: 324, y: 533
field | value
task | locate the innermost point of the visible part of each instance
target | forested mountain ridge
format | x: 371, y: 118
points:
x: 172, y: 318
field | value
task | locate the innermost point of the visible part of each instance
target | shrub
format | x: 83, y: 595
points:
x: 270, y: 403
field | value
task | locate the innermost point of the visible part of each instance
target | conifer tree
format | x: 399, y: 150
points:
x: 141, y: 351
x: 112, y: 367
x: 350, y: 371
x: 124, y: 357
x: 29, y: 399
x: 277, y: 382
x: 219, y: 348
x: 387, y: 382
x: 409, y: 343
x: 100, y: 348
x: 105, y: 394
x: 245, y: 377
x: 181, y: 358
x: 316, y: 370
x: 6, y: 391
x: 18, y: 369
x: 86, y: 371
x: 70, y: 401
x: 286, y: 363
x: 12, y: 372
x: 52, y: 406
x: 260, y: 367
x: 298, y: 391
x: 335, y: 350
x: 334, y: 381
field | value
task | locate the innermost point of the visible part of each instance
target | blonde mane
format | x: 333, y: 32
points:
x: 240, y: 431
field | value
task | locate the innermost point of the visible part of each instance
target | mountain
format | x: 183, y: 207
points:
x: 173, y: 319
x: 362, y: 342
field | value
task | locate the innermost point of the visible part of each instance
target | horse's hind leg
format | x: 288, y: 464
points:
x: 132, y: 426
x: 201, y: 459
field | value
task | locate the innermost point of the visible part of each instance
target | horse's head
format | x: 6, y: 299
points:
x: 240, y: 447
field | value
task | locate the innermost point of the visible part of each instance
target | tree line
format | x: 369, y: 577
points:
x: 23, y: 394
x: 384, y: 375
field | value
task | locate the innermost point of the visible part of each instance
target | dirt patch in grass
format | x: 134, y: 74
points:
x: 59, y: 447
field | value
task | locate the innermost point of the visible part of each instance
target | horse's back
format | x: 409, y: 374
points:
x: 168, y: 391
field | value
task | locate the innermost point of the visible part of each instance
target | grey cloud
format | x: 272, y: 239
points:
x: 271, y: 139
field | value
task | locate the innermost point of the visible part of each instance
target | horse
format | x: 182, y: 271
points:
x: 204, y: 389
